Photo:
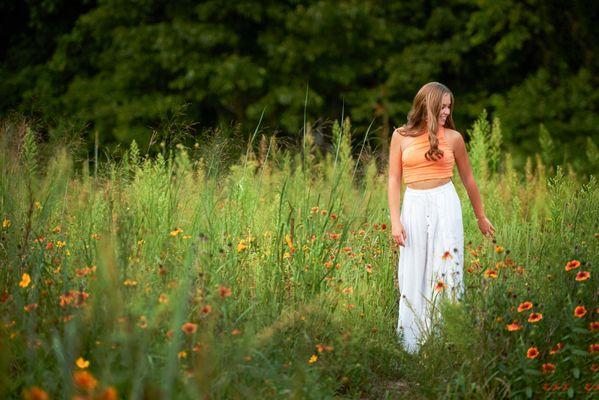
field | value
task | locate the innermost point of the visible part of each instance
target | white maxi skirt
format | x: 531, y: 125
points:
x: 431, y: 261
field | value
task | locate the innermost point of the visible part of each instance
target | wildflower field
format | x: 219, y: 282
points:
x: 182, y: 276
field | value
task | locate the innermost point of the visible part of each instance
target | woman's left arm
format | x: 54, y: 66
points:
x: 461, y: 159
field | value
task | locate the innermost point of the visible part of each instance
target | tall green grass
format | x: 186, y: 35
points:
x: 119, y: 263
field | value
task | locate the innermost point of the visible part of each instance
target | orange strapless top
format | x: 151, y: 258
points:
x: 415, y: 167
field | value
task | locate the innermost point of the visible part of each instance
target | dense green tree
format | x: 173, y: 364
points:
x: 123, y: 66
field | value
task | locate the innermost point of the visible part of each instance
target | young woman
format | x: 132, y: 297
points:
x: 428, y: 225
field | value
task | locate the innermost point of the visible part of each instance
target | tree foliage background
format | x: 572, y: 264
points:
x: 120, y: 66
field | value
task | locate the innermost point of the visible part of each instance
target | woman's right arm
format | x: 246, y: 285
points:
x: 394, y: 189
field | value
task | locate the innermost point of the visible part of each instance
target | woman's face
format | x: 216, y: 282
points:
x: 445, y: 109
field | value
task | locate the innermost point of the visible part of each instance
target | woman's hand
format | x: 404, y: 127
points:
x: 485, y: 226
x: 399, y: 234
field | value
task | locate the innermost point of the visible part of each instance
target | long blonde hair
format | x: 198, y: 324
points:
x: 424, y: 116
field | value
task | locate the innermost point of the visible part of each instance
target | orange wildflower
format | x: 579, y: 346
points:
x: 573, y: 264
x: 235, y: 332
x: 4, y: 297
x: 440, y: 286
x: 546, y: 387
x: 81, y: 272
x: 580, y: 311
x: 35, y: 393
x: 490, y: 273
x: 143, y: 322
x: 30, y: 307
x: 163, y: 298
x: 74, y: 298
x: 369, y: 268
x: 289, y: 243
x: 514, y: 326
x: 499, y: 249
x: 588, y: 387
x: 555, y: 387
x: 535, y: 317
x: 583, y: 276
x: 313, y: 359
x: 189, y: 328
x: 593, y: 326
x: 527, y: 305
x: 594, y: 368
x: 446, y: 256
x: 593, y: 348
x: 557, y: 348
x: 109, y: 393
x: 323, y: 347
x: 25, y: 280
x: 548, y: 368
x: 224, y: 291
x: 207, y: 309
x: 532, y: 353
x: 84, y: 380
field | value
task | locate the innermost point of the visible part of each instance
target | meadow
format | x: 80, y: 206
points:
x: 274, y: 276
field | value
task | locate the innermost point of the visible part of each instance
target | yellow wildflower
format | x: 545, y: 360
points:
x: 176, y: 232
x: 25, y: 280
x: 82, y: 363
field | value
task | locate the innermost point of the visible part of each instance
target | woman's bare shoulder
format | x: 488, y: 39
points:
x: 453, y: 135
x: 398, y: 136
